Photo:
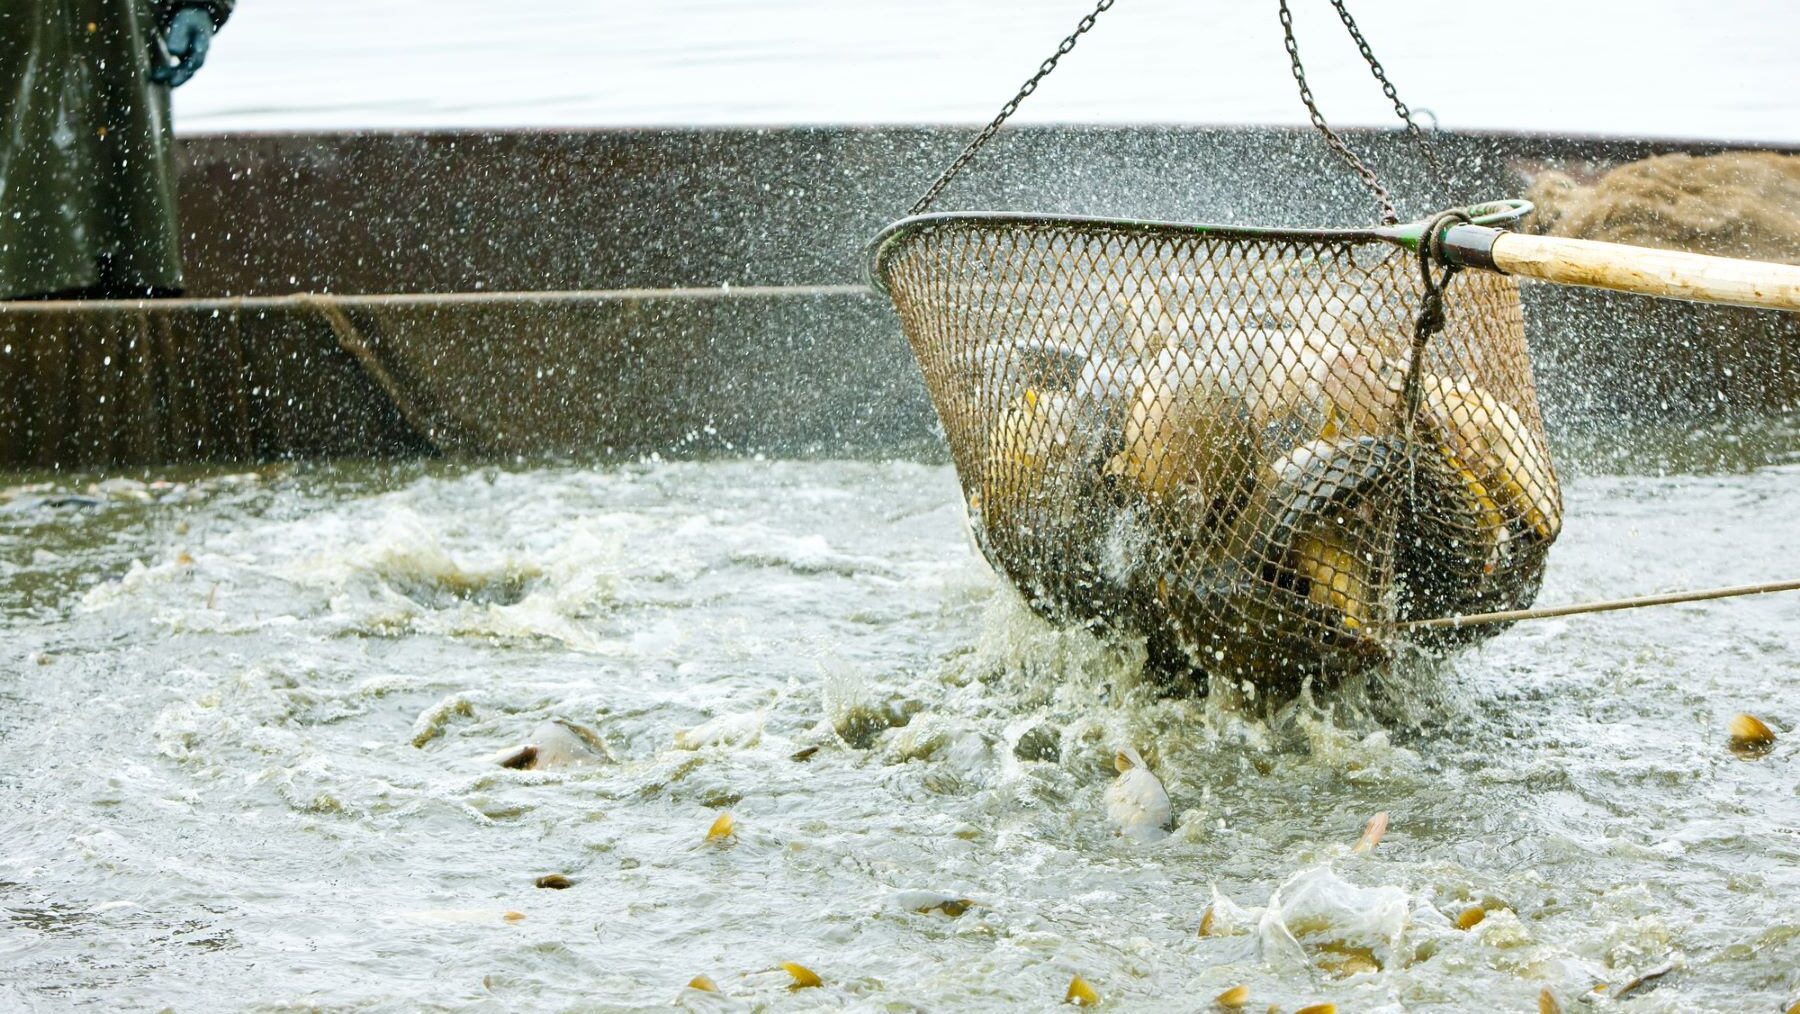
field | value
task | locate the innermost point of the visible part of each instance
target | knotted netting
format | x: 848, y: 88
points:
x: 1201, y: 434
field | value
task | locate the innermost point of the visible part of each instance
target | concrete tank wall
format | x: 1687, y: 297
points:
x: 449, y: 212
x: 242, y: 373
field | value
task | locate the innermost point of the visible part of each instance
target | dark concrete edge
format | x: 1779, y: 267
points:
x: 1655, y: 141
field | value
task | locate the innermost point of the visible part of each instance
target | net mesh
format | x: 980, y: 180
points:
x: 1201, y: 436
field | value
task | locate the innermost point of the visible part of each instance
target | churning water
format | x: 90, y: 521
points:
x: 249, y: 727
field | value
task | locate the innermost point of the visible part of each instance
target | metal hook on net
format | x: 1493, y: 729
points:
x: 1428, y: 323
x: 1431, y: 311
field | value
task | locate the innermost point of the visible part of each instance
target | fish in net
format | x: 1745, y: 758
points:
x: 1201, y: 435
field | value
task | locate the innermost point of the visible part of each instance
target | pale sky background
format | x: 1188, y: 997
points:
x: 1725, y: 69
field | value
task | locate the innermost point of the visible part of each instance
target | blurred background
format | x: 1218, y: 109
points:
x: 636, y: 151
x: 1661, y: 68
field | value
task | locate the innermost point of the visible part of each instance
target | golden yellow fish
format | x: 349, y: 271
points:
x: 1183, y: 433
x: 1344, y: 960
x: 723, y: 829
x: 1309, y: 376
x: 1490, y: 439
x: 1337, y: 578
x: 1751, y: 735
x: 1081, y: 993
x: 1490, y: 520
x: 1039, y: 454
x: 804, y: 977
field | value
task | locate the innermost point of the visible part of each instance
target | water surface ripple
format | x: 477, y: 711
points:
x: 248, y: 726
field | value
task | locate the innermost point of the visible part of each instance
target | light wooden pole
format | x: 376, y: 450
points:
x: 1671, y: 274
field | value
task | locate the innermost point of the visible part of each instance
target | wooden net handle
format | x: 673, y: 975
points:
x: 1671, y: 274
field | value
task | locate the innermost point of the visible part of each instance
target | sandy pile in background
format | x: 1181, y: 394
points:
x: 1735, y: 204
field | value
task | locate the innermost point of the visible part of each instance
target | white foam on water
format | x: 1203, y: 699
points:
x: 880, y: 716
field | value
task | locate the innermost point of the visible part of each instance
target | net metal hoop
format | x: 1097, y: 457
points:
x: 1495, y: 214
x: 1197, y: 432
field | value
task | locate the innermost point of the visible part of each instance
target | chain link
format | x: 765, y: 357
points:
x: 1400, y: 109
x: 1332, y: 139
x: 1429, y: 322
x: 1431, y: 308
x: 968, y: 154
x: 1388, y: 215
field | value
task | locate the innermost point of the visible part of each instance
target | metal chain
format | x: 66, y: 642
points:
x: 1431, y: 309
x: 1429, y: 322
x: 968, y: 154
x: 1388, y: 215
x: 1387, y: 88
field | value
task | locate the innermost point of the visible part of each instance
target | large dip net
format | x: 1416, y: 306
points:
x: 1202, y: 434
x: 1274, y: 453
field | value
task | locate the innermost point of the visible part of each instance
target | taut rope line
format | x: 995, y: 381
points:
x: 1603, y: 606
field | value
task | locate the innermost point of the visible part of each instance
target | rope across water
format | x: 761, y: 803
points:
x: 1601, y: 606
